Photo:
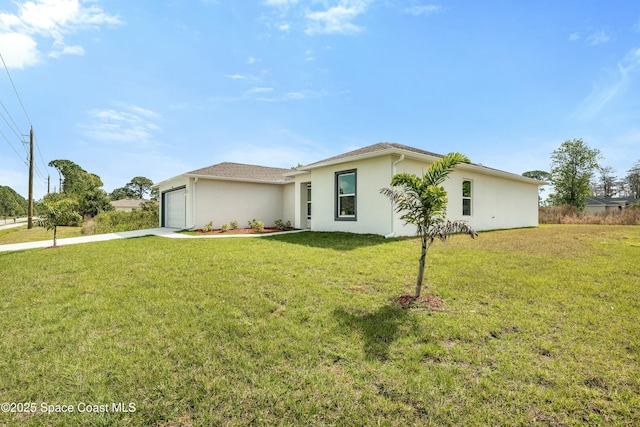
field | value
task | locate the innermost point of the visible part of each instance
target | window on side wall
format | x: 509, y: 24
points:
x: 346, y: 201
x: 466, y: 197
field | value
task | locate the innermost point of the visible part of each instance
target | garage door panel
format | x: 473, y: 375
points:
x: 175, y: 209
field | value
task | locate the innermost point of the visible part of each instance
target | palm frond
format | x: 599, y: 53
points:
x: 448, y: 228
x: 440, y: 169
x: 407, y: 180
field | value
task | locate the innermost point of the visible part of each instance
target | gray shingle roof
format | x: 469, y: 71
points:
x: 376, y: 147
x: 127, y: 203
x: 602, y: 201
x: 239, y: 171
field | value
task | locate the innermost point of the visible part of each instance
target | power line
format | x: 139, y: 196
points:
x: 16, y: 91
x: 12, y: 147
x: 39, y: 152
x: 40, y: 174
x: 17, y: 134
x: 16, y: 130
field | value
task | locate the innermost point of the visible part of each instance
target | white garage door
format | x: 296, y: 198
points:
x: 175, y: 212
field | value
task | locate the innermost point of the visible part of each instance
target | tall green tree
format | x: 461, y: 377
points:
x: 140, y: 185
x: 82, y: 186
x: 633, y: 180
x: 62, y: 212
x: 572, y: 168
x: 422, y: 201
x: 122, y: 193
x: 605, y: 186
x: 538, y: 174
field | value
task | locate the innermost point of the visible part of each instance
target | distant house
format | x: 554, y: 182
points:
x: 601, y: 204
x: 127, y: 205
x: 341, y: 193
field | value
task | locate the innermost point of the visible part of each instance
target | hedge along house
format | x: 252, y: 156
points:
x: 342, y: 193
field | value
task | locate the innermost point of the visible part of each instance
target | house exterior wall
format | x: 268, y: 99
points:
x: 289, y: 202
x: 496, y: 202
x: 595, y: 209
x: 373, y: 210
x: 499, y: 200
x: 172, y: 184
x: 225, y: 201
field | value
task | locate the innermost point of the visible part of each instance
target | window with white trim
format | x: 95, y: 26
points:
x: 466, y: 197
x: 346, y: 202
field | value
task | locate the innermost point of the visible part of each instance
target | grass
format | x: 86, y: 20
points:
x: 540, y: 328
x: 22, y: 234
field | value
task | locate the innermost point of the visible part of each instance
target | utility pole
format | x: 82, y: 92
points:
x: 30, y: 209
x: 48, y: 184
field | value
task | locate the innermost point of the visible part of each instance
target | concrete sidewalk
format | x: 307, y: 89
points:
x: 162, y: 232
x: 87, y: 239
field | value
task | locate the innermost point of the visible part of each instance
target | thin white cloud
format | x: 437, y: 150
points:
x: 260, y: 90
x: 309, y: 56
x: 574, y: 37
x: 251, y: 60
x: 598, y: 38
x: 293, y: 96
x: 316, y: 17
x: 280, y: 3
x: 236, y: 76
x: 67, y: 50
x: 240, y: 77
x: 127, y: 124
x: 423, y: 10
x: 614, y: 86
x: 38, y: 21
x: 336, y: 19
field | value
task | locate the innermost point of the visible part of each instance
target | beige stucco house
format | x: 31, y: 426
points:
x: 127, y: 205
x: 342, y: 193
x: 594, y: 205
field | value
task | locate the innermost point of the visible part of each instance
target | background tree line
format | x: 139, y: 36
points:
x: 11, y: 203
x: 576, y: 173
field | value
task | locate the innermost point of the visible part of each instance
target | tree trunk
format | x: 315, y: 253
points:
x: 55, y: 230
x: 421, y: 267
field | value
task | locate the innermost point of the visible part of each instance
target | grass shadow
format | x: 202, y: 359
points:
x: 339, y: 241
x: 379, y: 329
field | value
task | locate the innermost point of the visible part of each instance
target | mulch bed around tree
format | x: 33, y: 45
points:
x: 240, y: 231
x: 423, y: 301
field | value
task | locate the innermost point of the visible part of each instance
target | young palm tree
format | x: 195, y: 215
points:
x: 423, y: 203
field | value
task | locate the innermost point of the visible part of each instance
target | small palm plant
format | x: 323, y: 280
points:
x: 423, y: 203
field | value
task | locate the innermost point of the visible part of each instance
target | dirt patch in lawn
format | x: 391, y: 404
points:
x: 429, y: 301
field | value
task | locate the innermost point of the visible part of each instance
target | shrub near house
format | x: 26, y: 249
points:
x: 117, y: 221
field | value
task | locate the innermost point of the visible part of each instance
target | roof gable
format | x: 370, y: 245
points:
x: 241, y: 172
x: 384, y: 148
x: 381, y: 146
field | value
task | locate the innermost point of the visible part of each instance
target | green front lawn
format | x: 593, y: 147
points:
x: 22, y: 234
x: 540, y: 328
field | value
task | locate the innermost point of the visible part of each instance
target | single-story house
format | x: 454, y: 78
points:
x: 127, y: 205
x: 342, y: 193
x: 595, y: 205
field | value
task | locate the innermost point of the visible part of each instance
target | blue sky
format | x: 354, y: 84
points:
x: 157, y: 88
